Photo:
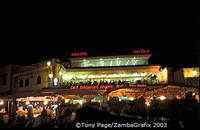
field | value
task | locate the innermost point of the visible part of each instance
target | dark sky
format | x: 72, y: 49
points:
x: 172, y: 34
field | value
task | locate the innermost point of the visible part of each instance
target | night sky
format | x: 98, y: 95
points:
x: 172, y: 34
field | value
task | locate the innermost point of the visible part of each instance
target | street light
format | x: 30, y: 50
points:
x: 50, y: 76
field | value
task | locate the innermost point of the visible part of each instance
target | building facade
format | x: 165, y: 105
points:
x: 128, y: 76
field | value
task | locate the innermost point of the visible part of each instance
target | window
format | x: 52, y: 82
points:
x: 39, y: 80
x: 3, y: 79
x: 26, y: 82
x: 21, y: 83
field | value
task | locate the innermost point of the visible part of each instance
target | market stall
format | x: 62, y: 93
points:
x: 36, y: 105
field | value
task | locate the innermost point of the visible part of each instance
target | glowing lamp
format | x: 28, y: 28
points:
x: 147, y: 103
x: 45, y: 102
x: 1, y: 103
x: 81, y: 103
x: 50, y: 76
x: 162, y: 98
x: 194, y: 73
x: 178, y: 97
x: 48, y: 63
x: 27, y: 103
x: 67, y: 100
x: 132, y: 98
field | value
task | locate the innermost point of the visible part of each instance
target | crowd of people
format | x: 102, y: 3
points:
x: 181, y: 113
x: 102, y: 82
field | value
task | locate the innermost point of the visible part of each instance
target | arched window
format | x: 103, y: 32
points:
x: 21, y: 83
x: 39, y: 80
x: 27, y: 82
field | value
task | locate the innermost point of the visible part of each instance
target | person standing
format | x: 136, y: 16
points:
x: 30, y: 120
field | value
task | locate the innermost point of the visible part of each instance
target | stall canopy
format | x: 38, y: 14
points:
x: 98, y: 99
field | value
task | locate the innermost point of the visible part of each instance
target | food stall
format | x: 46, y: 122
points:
x: 36, y: 105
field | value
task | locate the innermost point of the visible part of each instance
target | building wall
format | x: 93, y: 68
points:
x: 170, y: 75
x: 38, y: 71
x: 192, y: 76
x: 32, y: 77
x: 6, y: 77
x: 187, y: 76
x: 193, y: 82
x: 179, y: 77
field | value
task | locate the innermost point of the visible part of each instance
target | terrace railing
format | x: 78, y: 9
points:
x: 108, y: 86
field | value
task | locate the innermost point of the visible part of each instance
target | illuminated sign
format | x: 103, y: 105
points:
x: 79, y: 54
x: 141, y: 51
x: 108, y: 86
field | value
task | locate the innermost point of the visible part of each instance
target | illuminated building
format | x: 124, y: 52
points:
x: 188, y: 76
x: 129, y: 76
x: 128, y: 67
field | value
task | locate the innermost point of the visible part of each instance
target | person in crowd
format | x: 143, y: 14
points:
x: 20, y: 121
x: 2, y: 125
x: 119, y: 82
x: 30, y: 117
x: 155, y: 109
x: 106, y: 107
x: 141, y: 109
x: 43, y: 120
x: 126, y: 110
x: 66, y: 118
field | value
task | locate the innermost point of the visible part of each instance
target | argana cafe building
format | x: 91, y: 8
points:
x: 84, y: 78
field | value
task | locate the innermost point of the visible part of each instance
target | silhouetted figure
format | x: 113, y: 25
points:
x: 154, y: 111
x: 43, y: 121
x: 141, y: 109
x: 30, y: 120
x: 66, y: 119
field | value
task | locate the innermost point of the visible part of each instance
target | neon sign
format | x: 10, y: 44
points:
x: 141, y: 51
x: 108, y: 86
x: 79, y: 54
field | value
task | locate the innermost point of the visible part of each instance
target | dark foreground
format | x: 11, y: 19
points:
x: 131, y: 114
